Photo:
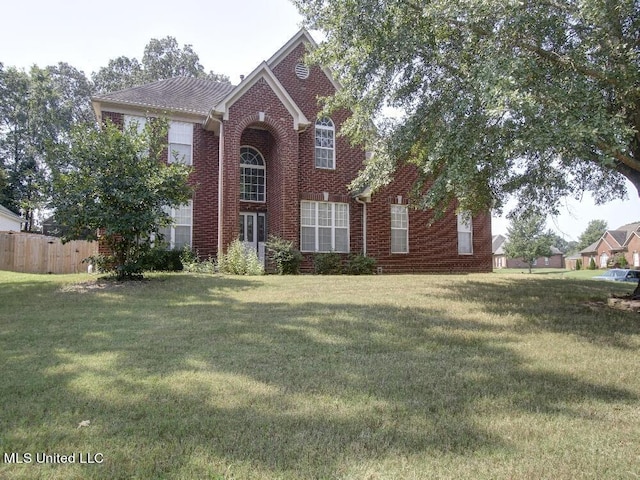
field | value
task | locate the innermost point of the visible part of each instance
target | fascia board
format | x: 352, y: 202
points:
x: 302, y: 36
x: 262, y: 72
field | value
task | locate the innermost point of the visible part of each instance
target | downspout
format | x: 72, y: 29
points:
x: 364, y: 225
x: 220, y: 188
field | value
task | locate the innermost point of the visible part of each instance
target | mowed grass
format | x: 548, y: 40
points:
x: 382, y: 377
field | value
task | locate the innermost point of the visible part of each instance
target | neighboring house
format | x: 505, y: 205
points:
x: 500, y: 259
x: 620, y: 242
x: 266, y: 164
x: 499, y: 255
x: 571, y: 261
x: 9, y: 221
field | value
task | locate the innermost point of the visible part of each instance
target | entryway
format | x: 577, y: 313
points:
x: 253, y: 232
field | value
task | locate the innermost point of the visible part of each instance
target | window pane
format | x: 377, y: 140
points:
x: 324, y: 214
x: 342, y: 214
x: 324, y: 240
x: 399, y: 241
x: 308, y: 213
x: 464, y: 243
x: 179, y: 153
x: 308, y: 240
x: 464, y: 222
x: 181, y: 132
x: 182, y: 237
x: 262, y: 228
x: 342, y: 240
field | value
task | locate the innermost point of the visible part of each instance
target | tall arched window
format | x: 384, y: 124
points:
x: 325, y: 144
x: 253, y: 183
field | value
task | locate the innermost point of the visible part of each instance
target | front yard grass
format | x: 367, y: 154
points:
x: 382, y: 377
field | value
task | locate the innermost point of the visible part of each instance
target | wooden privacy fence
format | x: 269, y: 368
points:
x: 32, y: 253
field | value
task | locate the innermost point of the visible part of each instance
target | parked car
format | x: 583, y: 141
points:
x: 620, y: 275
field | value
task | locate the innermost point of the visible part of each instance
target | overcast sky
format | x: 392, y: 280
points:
x: 230, y: 37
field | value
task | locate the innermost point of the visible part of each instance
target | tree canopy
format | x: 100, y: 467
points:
x: 527, y: 239
x: 595, y: 229
x: 39, y: 106
x: 162, y: 59
x: 500, y: 98
x: 117, y: 181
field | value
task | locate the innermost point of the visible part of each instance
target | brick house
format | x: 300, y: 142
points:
x: 622, y: 241
x: 501, y: 260
x: 266, y: 164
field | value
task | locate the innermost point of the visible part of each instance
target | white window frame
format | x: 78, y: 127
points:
x: 260, y: 198
x: 399, y: 224
x: 138, y: 120
x: 465, y: 231
x: 170, y: 231
x: 181, y: 141
x: 325, y: 141
x: 338, y: 221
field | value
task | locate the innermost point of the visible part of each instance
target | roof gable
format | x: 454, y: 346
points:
x: 304, y: 37
x: 263, y: 72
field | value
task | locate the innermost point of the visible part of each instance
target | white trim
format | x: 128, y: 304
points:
x: 264, y: 167
x: 325, y: 128
x: 302, y: 36
x: 316, y: 227
x: 142, y: 110
x: 404, y: 211
x: 465, y: 226
x: 300, y: 121
x: 184, y: 137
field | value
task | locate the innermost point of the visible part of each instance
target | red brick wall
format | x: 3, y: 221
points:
x: 555, y: 261
x: 432, y: 248
x: 633, y: 247
x: 278, y: 142
x: 205, y: 198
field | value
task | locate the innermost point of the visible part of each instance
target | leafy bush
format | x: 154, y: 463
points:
x: 579, y: 264
x: 360, y: 264
x: 592, y: 264
x: 192, y: 262
x: 618, y: 261
x: 327, y: 263
x: 240, y: 261
x: 162, y: 260
x: 286, y: 258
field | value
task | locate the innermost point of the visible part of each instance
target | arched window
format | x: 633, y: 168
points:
x: 325, y: 144
x: 252, y: 175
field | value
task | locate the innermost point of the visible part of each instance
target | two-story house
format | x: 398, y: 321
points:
x: 265, y: 163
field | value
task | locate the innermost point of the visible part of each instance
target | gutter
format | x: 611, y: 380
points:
x: 363, y: 198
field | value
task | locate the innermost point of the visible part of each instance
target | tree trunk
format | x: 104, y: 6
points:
x: 636, y: 293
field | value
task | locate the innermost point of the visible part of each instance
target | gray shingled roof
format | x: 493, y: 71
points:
x: 180, y: 94
x: 498, y: 244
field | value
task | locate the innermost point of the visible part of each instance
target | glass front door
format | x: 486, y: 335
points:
x: 253, y: 232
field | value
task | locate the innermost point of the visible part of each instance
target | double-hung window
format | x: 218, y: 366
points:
x: 324, y: 227
x: 180, y: 142
x: 465, y: 234
x: 399, y: 229
x: 325, y: 144
x: 178, y: 234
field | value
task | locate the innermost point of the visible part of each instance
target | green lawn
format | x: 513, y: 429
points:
x: 495, y: 376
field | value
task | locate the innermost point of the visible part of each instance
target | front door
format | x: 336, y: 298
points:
x: 253, y: 232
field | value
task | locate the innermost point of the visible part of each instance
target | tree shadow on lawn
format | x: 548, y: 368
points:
x: 575, y: 307
x: 208, y: 385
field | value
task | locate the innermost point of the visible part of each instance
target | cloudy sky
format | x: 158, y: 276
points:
x: 230, y: 37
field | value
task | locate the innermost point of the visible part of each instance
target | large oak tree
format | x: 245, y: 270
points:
x: 500, y: 98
